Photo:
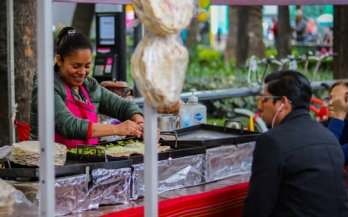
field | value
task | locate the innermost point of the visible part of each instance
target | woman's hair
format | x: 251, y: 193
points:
x: 292, y: 84
x: 339, y: 83
x: 69, y: 41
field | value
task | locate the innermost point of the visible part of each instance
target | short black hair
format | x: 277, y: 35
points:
x: 70, y: 41
x: 292, y: 84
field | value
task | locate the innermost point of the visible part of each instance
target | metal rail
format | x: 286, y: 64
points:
x: 231, y: 93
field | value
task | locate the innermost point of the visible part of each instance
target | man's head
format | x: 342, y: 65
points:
x: 285, y: 90
x: 299, y: 14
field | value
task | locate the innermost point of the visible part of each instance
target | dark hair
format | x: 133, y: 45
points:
x: 292, y: 84
x: 338, y: 83
x: 70, y: 41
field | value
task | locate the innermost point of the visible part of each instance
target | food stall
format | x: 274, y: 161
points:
x: 47, y: 181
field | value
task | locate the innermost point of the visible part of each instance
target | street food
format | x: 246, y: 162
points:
x: 28, y: 153
x: 120, y: 149
x: 158, y: 67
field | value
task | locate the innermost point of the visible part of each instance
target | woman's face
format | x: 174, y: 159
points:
x: 76, y: 67
x: 335, y: 92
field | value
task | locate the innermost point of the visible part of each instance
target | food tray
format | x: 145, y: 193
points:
x: 174, y: 152
x: 210, y: 136
x: 70, y: 168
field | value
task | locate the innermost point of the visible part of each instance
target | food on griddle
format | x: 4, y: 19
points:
x: 164, y: 16
x: 158, y: 67
x: 28, y: 153
x: 121, y: 149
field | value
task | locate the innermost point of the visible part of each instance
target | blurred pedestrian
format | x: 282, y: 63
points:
x: 312, y: 30
x: 300, y: 27
x: 274, y: 30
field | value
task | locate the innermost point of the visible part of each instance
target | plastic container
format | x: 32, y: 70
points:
x: 192, y: 113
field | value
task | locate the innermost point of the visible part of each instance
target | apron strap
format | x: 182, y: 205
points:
x: 68, y: 92
x: 85, y: 93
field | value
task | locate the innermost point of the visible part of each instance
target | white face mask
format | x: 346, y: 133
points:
x: 280, y: 107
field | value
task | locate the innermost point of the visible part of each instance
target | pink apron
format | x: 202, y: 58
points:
x: 80, y: 110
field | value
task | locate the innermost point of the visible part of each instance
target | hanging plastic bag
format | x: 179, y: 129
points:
x: 164, y: 16
x: 158, y: 67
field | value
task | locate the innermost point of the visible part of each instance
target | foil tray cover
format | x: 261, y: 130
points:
x: 224, y: 161
x: 71, y: 193
x: 172, y: 174
x: 110, y: 186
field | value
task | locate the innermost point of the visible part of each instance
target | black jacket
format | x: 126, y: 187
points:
x: 297, y: 171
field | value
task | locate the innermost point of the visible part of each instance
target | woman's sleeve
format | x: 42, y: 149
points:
x: 345, y: 152
x: 115, y: 106
x: 336, y: 127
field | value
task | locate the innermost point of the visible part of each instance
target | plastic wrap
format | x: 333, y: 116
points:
x: 172, y: 174
x: 13, y: 202
x: 164, y: 16
x: 158, y: 67
x: 225, y: 161
x: 70, y: 193
x: 29, y: 189
x: 28, y: 153
x: 110, y: 186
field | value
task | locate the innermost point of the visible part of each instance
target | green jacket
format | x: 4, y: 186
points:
x: 66, y: 124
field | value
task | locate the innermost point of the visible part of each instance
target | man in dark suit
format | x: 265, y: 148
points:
x: 298, y: 164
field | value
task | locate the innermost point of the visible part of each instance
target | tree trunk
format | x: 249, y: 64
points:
x: 242, y: 36
x: 284, y: 32
x: 340, y: 41
x: 25, y: 62
x: 230, y: 49
x: 24, y: 54
x: 4, y: 128
x: 256, y: 45
x: 83, y: 17
x: 192, y: 31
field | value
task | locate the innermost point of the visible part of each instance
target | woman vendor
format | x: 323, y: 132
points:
x: 79, y: 98
x: 337, y: 112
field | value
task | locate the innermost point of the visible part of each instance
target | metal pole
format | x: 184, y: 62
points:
x: 46, y: 106
x: 138, y: 35
x: 121, y: 75
x: 10, y: 71
x: 151, y: 159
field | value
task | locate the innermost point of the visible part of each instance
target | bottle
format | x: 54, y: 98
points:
x: 192, y: 113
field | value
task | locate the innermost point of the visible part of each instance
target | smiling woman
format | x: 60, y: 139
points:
x: 79, y: 98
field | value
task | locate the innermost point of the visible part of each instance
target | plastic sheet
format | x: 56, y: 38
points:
x: 110, y: 186
x: 225, y: 161
x: 13, y: 202
x: 164, y: 16
x: 158, y: 67
x: 172, y: 174
x: 70, y: 193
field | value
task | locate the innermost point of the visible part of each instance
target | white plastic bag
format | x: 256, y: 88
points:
x: 164, y: 16
x: 158, y: 67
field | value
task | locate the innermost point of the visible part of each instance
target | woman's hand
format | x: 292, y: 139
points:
x: 129, y: 128
x: 340, y: 105
x: 141, y: 124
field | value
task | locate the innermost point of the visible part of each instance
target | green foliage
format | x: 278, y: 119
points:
x: 208, y: 71
x: 271, y: 52
x: 217, y: 74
